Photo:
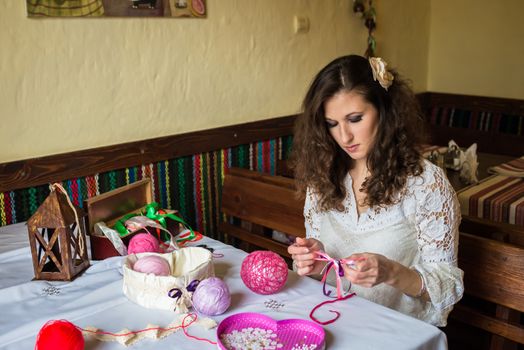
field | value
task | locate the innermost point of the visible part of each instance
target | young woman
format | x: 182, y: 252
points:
x: 370, y: 196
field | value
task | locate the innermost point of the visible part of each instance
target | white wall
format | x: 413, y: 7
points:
x: 476, y: 47
x: 72, y: 84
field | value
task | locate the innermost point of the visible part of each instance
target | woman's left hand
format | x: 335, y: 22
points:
x: 369, y: 269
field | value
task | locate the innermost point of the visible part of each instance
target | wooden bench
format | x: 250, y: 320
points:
x: 493, y: 272
x: 489, y: 253
x: 503, y: 232
x: 492, y: 257
x: 262, y: 203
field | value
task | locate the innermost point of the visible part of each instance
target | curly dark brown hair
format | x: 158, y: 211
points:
x: 319, y: 162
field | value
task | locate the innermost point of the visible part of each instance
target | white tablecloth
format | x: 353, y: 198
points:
x: 96, y: 299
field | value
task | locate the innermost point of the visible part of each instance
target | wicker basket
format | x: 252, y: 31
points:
x: 187, y: 264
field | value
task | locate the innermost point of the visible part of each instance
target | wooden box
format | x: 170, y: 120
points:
x: 111, y: 206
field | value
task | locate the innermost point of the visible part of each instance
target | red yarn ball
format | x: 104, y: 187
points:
x: 59, y: 334
x: 264, y: 272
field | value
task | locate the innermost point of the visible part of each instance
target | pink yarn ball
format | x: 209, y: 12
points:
x: 143, y: 243
x: 153, y: 264
x: 264, y: 272
x: 211, y: 297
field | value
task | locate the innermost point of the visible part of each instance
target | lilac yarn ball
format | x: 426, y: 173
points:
x: 143, y: 243
x: 211, y: 297
x: 264, y: 272
x: 153, y: 264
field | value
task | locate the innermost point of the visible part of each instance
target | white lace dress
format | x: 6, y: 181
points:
x: 420, y: 232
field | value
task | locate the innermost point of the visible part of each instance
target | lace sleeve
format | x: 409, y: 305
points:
x: 437, y: 220
x: 311, y: 215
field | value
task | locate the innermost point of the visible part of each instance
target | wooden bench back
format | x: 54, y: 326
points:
x: 498, y: 231
x: 263, y: 200
x: 493, y: 271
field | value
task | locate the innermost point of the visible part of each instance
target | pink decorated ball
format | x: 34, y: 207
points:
x: 143, y: 243
x: 264, y: 272
x: 153, y: 264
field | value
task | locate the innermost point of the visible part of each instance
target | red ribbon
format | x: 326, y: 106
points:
x: 333, y: 311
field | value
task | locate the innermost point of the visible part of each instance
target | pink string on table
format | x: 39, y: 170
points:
x: 193, y: 318
x: 333, y: 311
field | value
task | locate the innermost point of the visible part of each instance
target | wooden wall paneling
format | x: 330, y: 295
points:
x: 474, y: 103
x: 488, y: 141
x: 42, y: 170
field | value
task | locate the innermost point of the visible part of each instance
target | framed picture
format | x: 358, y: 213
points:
x: 116, y: 8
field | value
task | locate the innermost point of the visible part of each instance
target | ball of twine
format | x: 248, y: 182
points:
x: 264, y: 272
x: 211, y: 297
x: 153, y: 264
x: 59, y: 334
x: 143, y: 243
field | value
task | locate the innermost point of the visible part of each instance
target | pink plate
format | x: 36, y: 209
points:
x: 296, y: 334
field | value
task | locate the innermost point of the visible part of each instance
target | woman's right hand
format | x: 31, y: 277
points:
x: 303, y: 254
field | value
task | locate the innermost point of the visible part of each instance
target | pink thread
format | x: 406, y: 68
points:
x: 183, y: 326
x: 192, y: 336
x: 264, y: 272
x: 333, y: 311
x: 141, y: 222
x: 154, y: 264
x: 143, y: 243
x: 212, y: 250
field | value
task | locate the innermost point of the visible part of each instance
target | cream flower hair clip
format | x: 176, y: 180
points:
x: 380, y: 73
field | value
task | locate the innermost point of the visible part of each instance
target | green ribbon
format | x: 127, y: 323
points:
x: 151, y: 211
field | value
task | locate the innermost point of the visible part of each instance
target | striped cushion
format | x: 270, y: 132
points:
x: 497, y: 198
x: 513, y: 168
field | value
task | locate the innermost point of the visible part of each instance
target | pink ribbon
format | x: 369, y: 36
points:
x: 336, y: 265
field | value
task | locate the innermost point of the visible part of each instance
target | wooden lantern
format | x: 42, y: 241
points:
x: 57, y: 237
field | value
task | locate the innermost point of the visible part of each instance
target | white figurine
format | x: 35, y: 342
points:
x: 469, y: 168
